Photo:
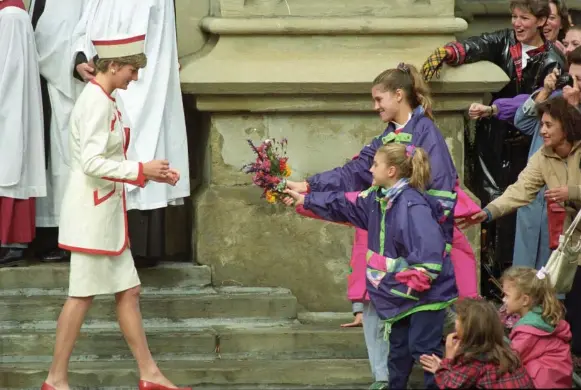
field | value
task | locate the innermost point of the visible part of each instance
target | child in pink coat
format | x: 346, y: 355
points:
x: 541, y: 337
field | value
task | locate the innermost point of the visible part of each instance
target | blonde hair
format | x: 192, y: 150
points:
x: 138, y: 61
x: 407, y: 78
x: 412, y: 163
x: 540, y: 291
x: 483, y: 335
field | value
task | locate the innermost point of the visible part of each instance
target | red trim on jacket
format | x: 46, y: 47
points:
x: 92, y: 251
x: 140, y: 181
x: 12, y: 3
x: 127, y: 132
x: 97, y: 201
x: 102, y: 89
x: 113, y: 42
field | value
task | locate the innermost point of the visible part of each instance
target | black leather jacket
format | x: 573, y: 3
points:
x: 495, y: 47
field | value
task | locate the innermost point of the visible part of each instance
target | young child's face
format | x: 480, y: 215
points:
x: 383, y: 174
x: 515, y: 301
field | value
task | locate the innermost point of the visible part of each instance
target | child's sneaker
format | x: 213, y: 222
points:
x: 379, y: 385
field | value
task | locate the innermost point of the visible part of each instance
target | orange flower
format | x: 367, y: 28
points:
x: 287, y: 171
x: 270, y: 197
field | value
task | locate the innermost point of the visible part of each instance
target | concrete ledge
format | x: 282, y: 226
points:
x: 286, y: 74
x: 332, y: 26
x: 318, y: 103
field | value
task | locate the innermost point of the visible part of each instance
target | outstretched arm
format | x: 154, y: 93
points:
x: 353, y: 176
x: 485, y: 47
x: 336, y: 206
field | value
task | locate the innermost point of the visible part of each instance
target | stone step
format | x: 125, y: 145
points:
x: 28, y: 305
x: 246, y: 339
x: 348, y: 373
x: 53, y: 276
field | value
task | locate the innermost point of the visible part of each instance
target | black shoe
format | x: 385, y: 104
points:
x: 146, y: 262
x: 55, y: 256
x: 11, y: 257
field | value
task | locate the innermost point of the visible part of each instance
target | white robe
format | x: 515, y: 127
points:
x: 53, y: 36
x: 22, y: 170
x: 151, y: 106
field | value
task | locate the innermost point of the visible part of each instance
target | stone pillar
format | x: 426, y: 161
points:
x: 302, y: 69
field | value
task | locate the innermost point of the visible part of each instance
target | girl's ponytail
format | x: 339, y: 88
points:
x: 420, y: 167
x: 412, y: 163
x: 421, y: 91
x: 552, y: 308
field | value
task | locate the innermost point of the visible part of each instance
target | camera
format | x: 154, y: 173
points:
x: 564, y: 80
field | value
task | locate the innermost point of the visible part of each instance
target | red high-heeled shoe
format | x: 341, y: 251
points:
x: 145, y: 385
x: 46, y: 386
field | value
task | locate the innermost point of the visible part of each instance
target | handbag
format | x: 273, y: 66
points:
x: 556, y: 215
x: 562, y: 263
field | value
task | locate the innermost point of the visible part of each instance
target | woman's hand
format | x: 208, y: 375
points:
x: 430, y: 363
x: 452, y: 345
x: 86, y: 70
x: 478, y: 110
x: 173, y: 176
x: 297, y: 186
x: 559, y: 194
x: 156, y: 170
x: 550, y: 82
x: 293, y: 198
x: 434, y: 64
x: 474, y: 219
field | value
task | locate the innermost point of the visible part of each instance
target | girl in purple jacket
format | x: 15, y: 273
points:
x: 410, y: 278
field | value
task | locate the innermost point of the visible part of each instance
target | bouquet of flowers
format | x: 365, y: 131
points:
x: 270, y: 169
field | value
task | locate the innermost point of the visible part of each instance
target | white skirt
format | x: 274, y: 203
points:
x: 92, y: 275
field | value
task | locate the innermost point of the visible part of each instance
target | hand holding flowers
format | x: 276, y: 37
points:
x: 294, y: 198
x: 270, y: 169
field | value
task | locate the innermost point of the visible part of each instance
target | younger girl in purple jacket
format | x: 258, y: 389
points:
x: 410, y: 278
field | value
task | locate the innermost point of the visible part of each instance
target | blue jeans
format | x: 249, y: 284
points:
x: 415, y: 335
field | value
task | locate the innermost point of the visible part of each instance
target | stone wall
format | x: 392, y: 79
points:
x: 301, y: 69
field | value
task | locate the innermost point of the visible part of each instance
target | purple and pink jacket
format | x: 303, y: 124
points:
x: 403, y: 234
x: 355, y: 176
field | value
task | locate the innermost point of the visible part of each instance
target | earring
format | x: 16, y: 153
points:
x: 113, y: 71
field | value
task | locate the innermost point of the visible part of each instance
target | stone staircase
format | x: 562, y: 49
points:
x: 202, y: 336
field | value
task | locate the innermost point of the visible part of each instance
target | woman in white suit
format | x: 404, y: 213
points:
x: 94, y: 212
